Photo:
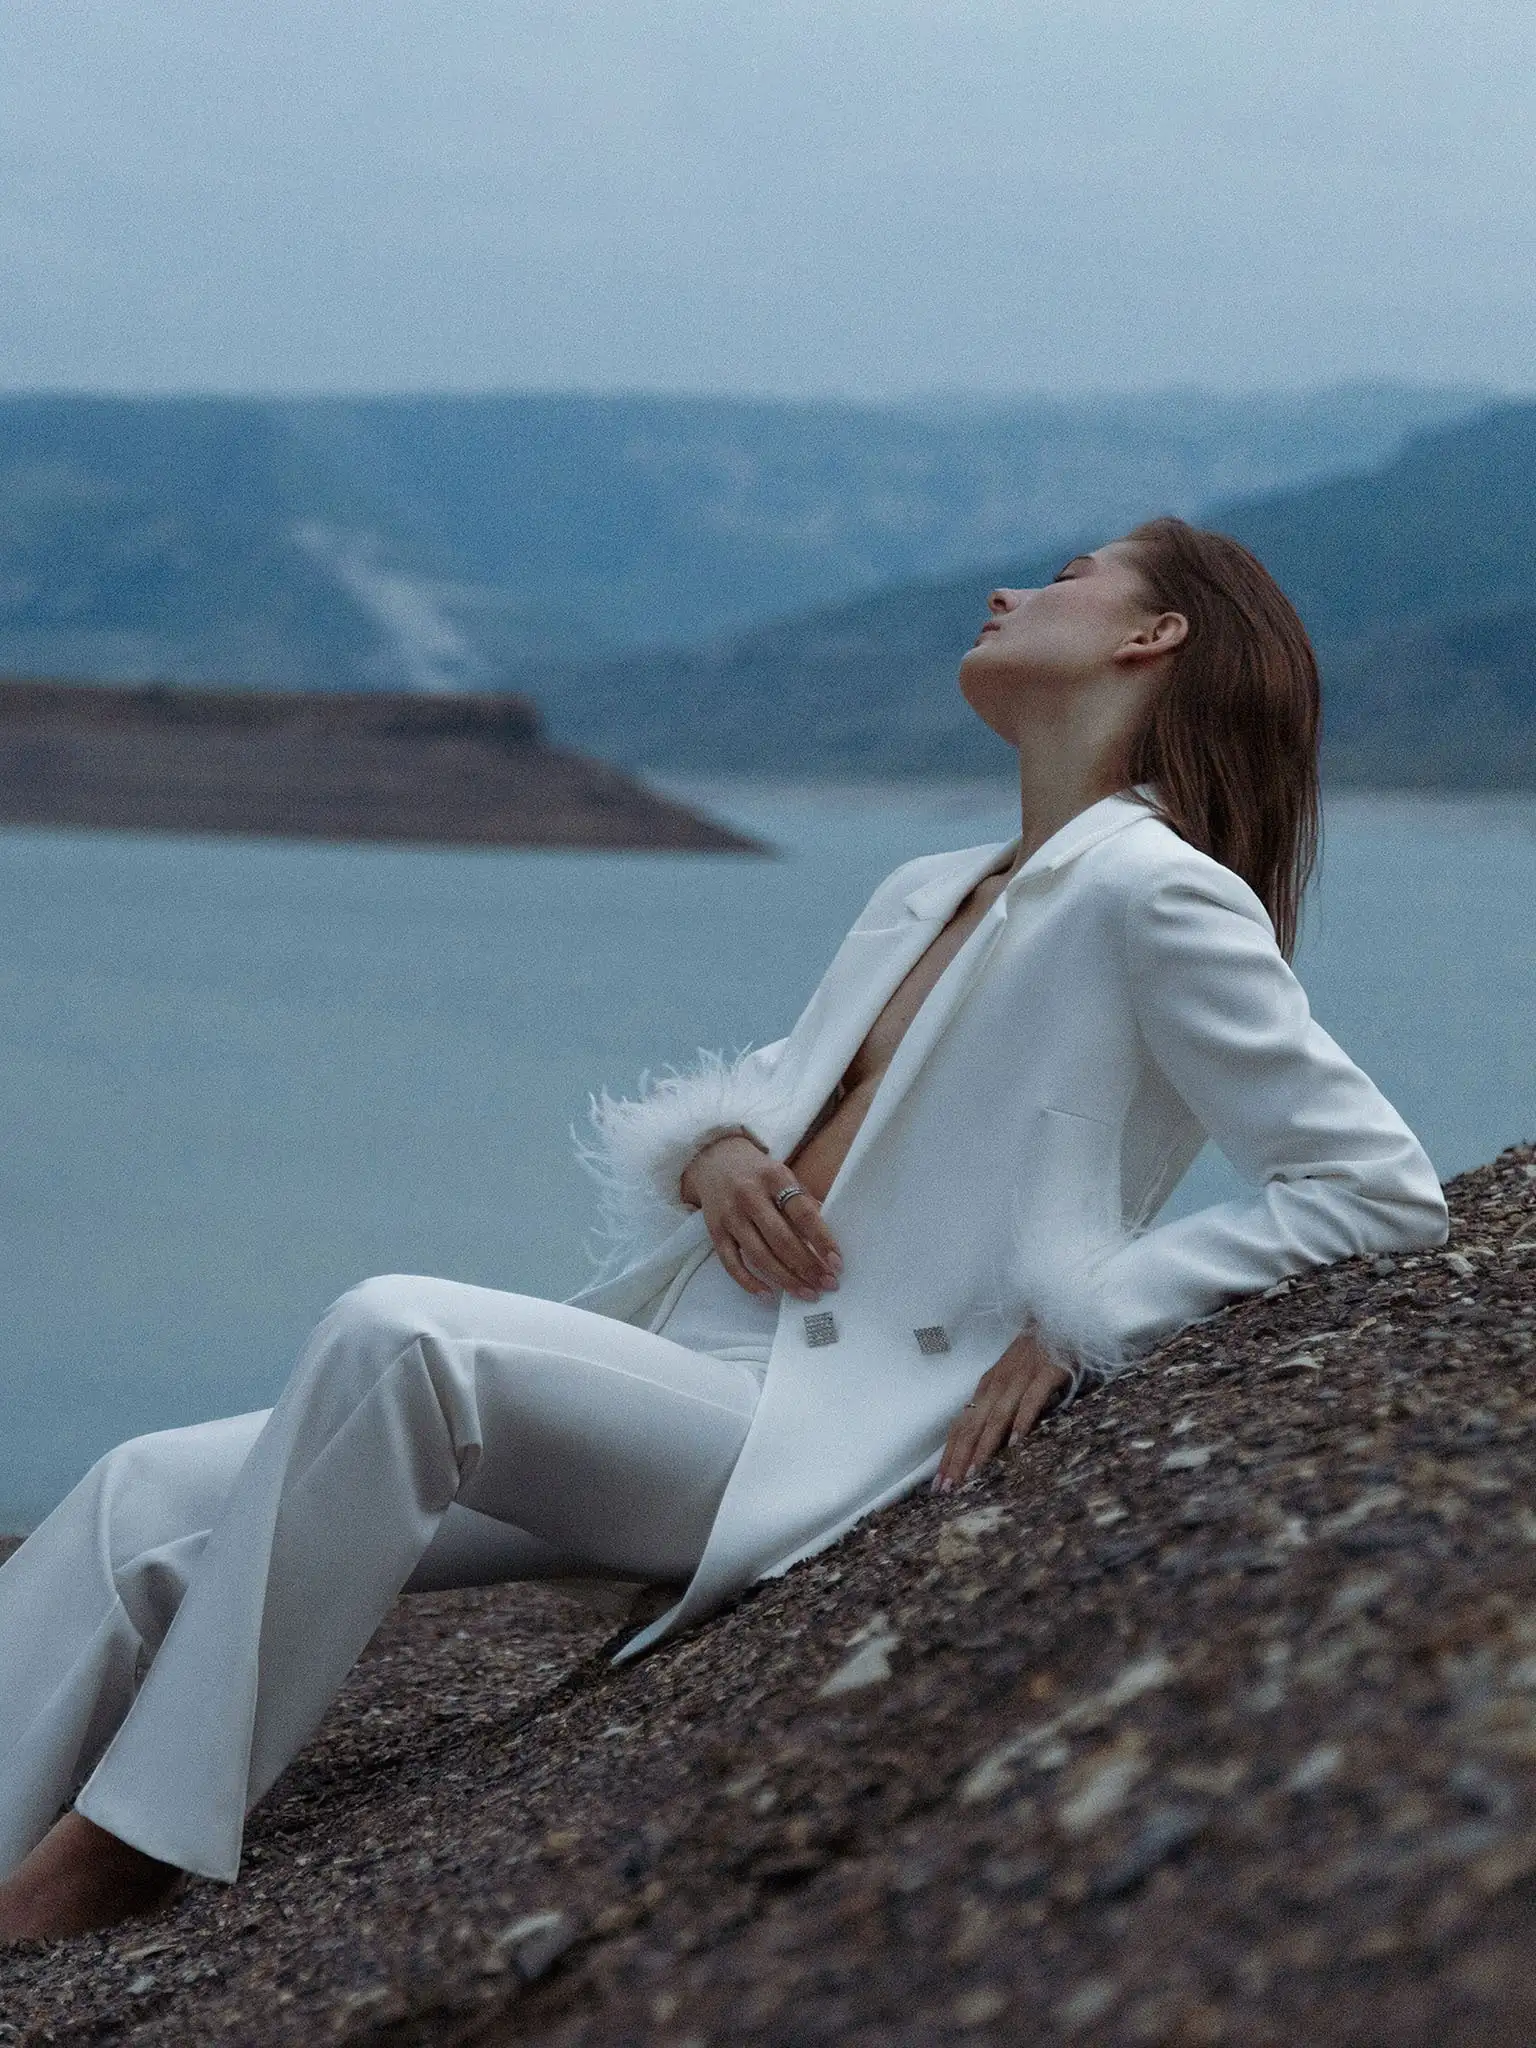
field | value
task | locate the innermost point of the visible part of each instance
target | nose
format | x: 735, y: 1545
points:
x: 1002, y: 601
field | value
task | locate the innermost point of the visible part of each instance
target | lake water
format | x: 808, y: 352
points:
x: 239, y: 1076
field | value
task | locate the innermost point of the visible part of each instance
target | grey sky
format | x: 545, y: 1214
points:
x: 869, y: 197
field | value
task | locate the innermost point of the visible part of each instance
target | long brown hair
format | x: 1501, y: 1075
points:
x: 1229, y: 744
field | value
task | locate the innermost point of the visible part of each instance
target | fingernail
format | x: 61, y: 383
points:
x: 835, y: 1261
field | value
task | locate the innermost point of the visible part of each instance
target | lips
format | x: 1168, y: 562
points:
x: 990, y: 627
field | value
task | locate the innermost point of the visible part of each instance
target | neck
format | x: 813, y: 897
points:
x: 1067, y: 761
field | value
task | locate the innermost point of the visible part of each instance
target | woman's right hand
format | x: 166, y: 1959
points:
x: 761, y: 1246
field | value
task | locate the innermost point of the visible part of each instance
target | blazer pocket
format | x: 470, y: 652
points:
x: 1067, y: 1187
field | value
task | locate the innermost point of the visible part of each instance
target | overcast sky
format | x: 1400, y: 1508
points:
x: 860, y: 197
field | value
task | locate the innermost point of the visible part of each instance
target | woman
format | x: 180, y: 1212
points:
x: 867, y: 1256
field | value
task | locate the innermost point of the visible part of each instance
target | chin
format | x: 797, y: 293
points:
x: 989, y: 705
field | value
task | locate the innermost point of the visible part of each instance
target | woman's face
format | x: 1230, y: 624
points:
x: 1066, y: 633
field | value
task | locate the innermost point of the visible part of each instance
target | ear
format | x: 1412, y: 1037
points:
x: 1153, y: 639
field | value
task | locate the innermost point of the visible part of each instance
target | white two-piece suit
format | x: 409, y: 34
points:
x: 1122, y: 998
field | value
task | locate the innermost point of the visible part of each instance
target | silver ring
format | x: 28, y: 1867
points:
x: 786, y: 1195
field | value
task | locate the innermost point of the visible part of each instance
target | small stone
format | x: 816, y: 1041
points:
x: 1364, y: 1590
x: 1460, y: 1265
x: 1298, y: 1362
x: 1371, y: 1502
x: 979, y: 1522
x: 980, y: 2008
x: 994, y: 1773
x: 1383, y: 1267
x: 615, y: 1919
x: 958, y: 1539
x: 1166, y: 1833
x: 1316, y: 1768
x: 1016, y: 1876
x: 530, y: 1946
x: 374, y: 2001
x: 1192, y: 1458
x: 146, y: 1949
x: 145, y: 1981
x: 1102, y: 1787
x: 870, y: 1663
x: 1147, y: 1674
x: 1089, y: 2002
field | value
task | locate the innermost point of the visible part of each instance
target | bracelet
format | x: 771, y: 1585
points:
x: 716, y: 1131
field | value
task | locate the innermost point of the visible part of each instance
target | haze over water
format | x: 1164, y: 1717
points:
x: 239, y: 1076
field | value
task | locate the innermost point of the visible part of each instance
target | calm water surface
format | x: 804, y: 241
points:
x: 237, y: 1077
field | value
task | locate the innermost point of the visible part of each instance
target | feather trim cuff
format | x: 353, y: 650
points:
x: 638, y: 1147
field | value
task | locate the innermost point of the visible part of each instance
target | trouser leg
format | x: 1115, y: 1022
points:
x: 605, y: 1446
x: 86, y: 1601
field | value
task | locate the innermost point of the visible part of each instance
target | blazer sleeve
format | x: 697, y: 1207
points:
x: 639, y: 1146
x: 1336, y: 1170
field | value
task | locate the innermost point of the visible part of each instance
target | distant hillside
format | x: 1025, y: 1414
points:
x: 442, y: 543
x: 1418, y: 581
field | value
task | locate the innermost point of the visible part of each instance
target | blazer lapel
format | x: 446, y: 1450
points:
x: 932, y: 906
x: 871, y: 965
x: 927, y: 1027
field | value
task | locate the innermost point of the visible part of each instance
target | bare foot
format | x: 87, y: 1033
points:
x: 79, y: 1877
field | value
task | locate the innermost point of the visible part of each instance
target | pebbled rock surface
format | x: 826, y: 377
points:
x: 1207, y: 1716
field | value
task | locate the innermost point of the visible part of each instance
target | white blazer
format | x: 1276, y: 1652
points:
x: 1122, y: 999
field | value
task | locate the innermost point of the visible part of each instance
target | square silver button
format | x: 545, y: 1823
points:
x: 932, y: 1339
x: 820, y: 1329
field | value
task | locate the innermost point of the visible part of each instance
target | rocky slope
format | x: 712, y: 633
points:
x: 1207, y: 1716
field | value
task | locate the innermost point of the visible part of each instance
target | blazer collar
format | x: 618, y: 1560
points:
x: 937, y: 899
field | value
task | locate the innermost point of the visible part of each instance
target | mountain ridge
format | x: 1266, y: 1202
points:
x: 1416, y: 580
x: 442, y: 542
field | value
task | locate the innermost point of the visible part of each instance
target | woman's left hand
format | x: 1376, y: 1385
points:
x: 1009, y: 1400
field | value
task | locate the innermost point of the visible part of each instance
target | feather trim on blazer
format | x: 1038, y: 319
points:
x: 640, y: 1145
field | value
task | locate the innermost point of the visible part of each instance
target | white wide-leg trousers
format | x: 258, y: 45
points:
x: 175, y: 1630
